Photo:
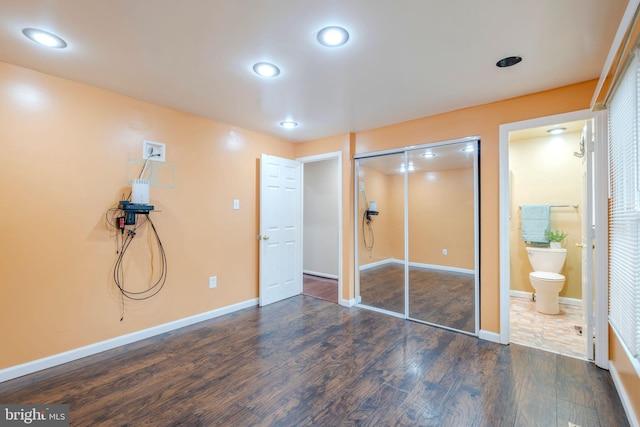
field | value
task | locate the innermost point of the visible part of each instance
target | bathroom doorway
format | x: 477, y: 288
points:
x: 542, y: 163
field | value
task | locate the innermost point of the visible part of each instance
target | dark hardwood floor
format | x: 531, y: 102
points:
x: 320, y: 287
x: 305, y: 361
x: 383, y: 287
x: 442, y: 297
x: 435, y: 296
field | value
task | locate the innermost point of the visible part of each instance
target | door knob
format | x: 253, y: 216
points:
x: 263, y: 237
x: 580, y: 245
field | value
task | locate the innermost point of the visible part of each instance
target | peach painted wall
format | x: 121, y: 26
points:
x: 65, y: 148
x: 544, y: 170
x: 441, y: 216
x: 396, y: 212
x: 626, y: 372
x: 483, y: 121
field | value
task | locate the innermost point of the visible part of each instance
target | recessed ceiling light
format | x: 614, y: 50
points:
x: 556, y: 131
x: 289, y: 124
x: 428, y: 155
x: 266, y: 69
x: 333, y: 36
x: 468, y: 149
x: 508, y: 61
x: 44, y: 38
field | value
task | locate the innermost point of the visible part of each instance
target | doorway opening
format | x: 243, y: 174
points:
x: 321, y: 226
x: 546, y: 169
x: 542, y: 169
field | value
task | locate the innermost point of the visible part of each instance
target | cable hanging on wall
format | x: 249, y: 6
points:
x: 126, y: 220
x: 370, y: 210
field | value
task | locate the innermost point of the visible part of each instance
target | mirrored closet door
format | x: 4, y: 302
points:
x: 418, y: 244
x: 381, y: 226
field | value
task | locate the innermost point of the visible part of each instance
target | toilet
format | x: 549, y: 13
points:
x: 545, y: 278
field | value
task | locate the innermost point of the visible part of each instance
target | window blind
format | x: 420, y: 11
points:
x: 624, y: 213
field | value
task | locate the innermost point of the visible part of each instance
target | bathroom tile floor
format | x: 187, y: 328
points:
x: 550, y: 332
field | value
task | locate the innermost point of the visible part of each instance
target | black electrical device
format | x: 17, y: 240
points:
x: 368, y: 214
x: 131, y: 209
x: 127, y: 206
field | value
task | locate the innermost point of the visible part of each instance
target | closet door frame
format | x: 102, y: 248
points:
x: 475, y: 140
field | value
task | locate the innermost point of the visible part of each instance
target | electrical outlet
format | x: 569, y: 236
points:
x: 236, y: 204
x: 153, y: 150
x: 444, y: 252
x: 213, y: 282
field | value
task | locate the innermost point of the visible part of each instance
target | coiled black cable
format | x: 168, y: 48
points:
x: 118, y: 269
x: 366, y: 220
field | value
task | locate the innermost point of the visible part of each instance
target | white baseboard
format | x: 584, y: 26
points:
x: 381, y: 310
x: 415, y: 264
x: 520, y: 294
x: 317, y: 273
x: 441, y: 267
x: 347, y: 302
x: 633, y: 418
x: 91, y: 349
x: 563, y: 300
x: 379, y: 263
x: 571, y: 301
x: 489, y: 336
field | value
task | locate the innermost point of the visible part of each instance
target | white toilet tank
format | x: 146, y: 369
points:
x: 546, y: 259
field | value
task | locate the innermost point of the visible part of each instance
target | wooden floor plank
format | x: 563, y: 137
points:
x: 609, y: 406
x: 572, y: 382
x: 374, y: 410
x: 305, y: 361
x: 537, y: 406
x: 577, y: 415
x: 500, y: 395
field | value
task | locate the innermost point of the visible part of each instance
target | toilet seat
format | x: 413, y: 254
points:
x: 546, y: 276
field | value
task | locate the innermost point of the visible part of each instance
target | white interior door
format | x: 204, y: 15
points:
x: 587, y: 236
x: 280, y: 229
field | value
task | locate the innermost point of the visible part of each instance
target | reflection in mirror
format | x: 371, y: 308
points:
x: 381, y: 232
x: 441, y: 230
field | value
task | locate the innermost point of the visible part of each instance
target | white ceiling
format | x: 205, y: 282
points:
x: 404, y: 60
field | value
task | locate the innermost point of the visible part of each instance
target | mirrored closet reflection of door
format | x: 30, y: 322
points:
x: 417, y: 233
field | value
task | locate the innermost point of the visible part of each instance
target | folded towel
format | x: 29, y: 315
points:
x: 535, y: 223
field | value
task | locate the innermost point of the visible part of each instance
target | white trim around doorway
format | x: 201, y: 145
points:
x: 330, y: 156
x: 600, y: 171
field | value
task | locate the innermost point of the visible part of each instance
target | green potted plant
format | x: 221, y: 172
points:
x: 555, y: 237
